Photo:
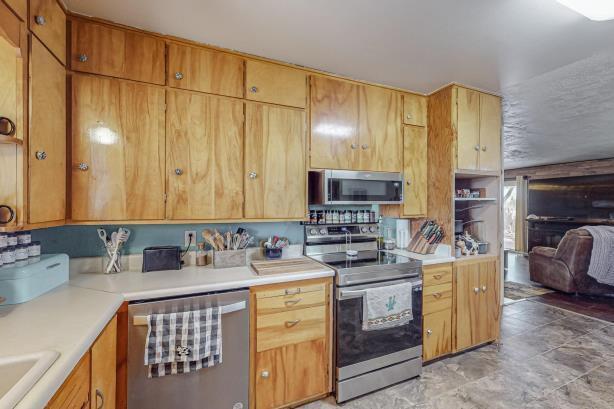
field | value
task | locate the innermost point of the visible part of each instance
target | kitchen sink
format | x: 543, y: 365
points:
x: 19, y: 373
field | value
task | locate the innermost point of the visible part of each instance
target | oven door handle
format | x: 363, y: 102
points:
x: 347, y: 294
x: 226, y: 309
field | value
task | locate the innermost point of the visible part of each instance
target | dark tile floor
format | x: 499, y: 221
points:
x: 548, y: 358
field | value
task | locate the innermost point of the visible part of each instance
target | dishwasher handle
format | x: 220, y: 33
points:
x: 226, y: 309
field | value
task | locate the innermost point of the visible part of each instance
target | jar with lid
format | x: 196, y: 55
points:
x: 201, y: 255
x: 335, y: 217
x: 328, y: 215
x: 11, y: 239
x: 24, y: 237
x: 359, y: 217
x: 3, y: 240
x: 34, y: 249
x: 8, y: 255
x: 21, y: 252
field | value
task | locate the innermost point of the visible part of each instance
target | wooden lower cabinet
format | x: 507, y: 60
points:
x: 92, y: 383
x: 437, y: 297
x: 290, y: 344
x: 437, y: 334
x: 477, y: 303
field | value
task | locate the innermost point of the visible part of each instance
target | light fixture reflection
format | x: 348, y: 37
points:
x: 334, y: 130
x: 596, y: 10
x: 103, y: 135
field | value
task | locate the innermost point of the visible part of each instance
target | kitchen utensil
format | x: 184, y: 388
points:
x: 118, y: 238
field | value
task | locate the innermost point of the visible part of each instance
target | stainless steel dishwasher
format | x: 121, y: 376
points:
x: 223, y: 386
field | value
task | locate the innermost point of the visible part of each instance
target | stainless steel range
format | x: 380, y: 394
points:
x: 367, y: 360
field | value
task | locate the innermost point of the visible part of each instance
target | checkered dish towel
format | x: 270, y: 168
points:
x: 183, y: 342
x: 387, y: 307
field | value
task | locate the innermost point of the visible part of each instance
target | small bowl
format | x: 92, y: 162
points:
x: 272, y: 253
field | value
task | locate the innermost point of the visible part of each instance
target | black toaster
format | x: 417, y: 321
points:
x: 161, y: 258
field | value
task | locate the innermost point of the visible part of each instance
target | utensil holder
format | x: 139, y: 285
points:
x: 229, y: 258
x: 273, y: 253
x: 420, y: 245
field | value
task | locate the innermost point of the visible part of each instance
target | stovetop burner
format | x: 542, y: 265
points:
x: 362, y: 259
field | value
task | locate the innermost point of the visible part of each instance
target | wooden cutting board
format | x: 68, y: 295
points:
x: 289, y: 265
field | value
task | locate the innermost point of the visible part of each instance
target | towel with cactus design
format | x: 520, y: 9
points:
x: 387, y: 307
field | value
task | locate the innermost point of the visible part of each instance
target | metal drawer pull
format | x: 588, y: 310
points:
x: 437, y: 295
x: 101, y: 396
x: 290, y: 303
x: 290, y: 291
x: 290, y: 324
x: 437, y: 276
x: 139, y: 320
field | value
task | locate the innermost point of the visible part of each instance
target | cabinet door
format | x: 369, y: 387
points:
x: 117, y: 150
x: 74, y: 393
x: 468, y: 128
x: 491, y: 301
x: 490, y: 132
x: 101, y: 49
x: 437, y: 334
x: 201, y: 69
x: 266, y: 82
x: 334, y: 123
x: 48, y: 23
x: 274, y: 162
x: 291, y: 374
x: 104, y: 356
x: 379, y: 129
x: 468, y: 305
x: 47, y: 153
x: 415, y: 170
x: 414, y: 110
x: 204, y: 156
x: 20, y: 7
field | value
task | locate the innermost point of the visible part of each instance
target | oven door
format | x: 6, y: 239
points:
x: 359, y: 351
x: 349, y: 187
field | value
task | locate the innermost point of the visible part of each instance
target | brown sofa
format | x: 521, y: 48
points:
x: 565, y: 268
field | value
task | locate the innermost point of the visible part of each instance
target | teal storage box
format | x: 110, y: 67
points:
x: 28, y: 279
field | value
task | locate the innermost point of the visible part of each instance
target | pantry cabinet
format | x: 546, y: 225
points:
x: 275, y: 84
x: 105, y: 50
x: 47, y: 136
x: 478, y: 130
x: 290, y: 345
x: 117, y: 150
x: 48, y: 22
x: 274, y: 162
x: 354, y: 126
x: 205, y: 70
x: 414, y: 109
x: 204, y: 156
x: 477, y: 302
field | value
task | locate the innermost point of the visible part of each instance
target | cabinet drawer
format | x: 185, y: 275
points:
x: 437, y: 334
x: 48, y: 23
x: 278, y: 292
x: 282, y: 303
x: 437, y: 298
x: 201, y: 69
x: 437, y: 274
x: 290, y: 327
x: 266, y: 82
x: 100, y: 49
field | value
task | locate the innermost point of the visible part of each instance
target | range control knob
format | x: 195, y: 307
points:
x: 372, y: 229
x: 313, y: 232
x: 364, y: 229
x: 322, y: 231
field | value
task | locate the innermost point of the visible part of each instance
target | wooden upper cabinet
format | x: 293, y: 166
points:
x: 101, y: 49
x: 20, y: 7
x: 47, y: 153
x: 48, y: 22
x: 415, y: 171
x: 276, y: 84
x: 414, y: 109
x: 468, y: 128
x: 274, y: 162
x: 104, y: 353
x: 117, y: 150
x: 490, y: 132
x: 380, y: 144
x: 334, y: 123
x: 204, y: 156
x: 205, y: 70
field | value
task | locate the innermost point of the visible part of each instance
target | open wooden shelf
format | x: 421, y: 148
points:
x: 10, y: 139
x: 475, y: 199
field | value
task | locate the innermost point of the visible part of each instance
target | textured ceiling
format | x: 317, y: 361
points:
x: 503, y: 46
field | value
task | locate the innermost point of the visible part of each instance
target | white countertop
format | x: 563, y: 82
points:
x: 134, y: 285
x: 441, y: 255
x: 67, y: 319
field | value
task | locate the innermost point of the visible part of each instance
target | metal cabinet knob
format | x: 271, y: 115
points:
x: 483, y: 148
x: 483, y: 288
x: 429, y: 332
x: 476, y: 290
x: 83, y: 166
x: 354, y: 145
x: 365, y: 146
x: 265, y: 374
x: 408, y: 116
x: 254, y: 89
x: 82, y: 57
x: 178, y: 75
x: 100, y: 395
x: 408, y: 182
x: 41, y: 155
x: 40, y: 20
x: 252, y: 175
x: 178, y: 172
x: 476, y: 147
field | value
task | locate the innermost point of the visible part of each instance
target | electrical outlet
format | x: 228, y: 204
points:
x: 186, y: 238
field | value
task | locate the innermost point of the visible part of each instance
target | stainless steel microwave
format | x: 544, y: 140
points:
x: 347, y: 187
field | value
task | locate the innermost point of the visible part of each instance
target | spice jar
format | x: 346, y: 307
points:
x: 8, y: 255
x: 11, y: 239
x: 24, y: 237
x: 201, y: 255
x: 34, y: 249
x: 3, y: 240
x: 21, y: 252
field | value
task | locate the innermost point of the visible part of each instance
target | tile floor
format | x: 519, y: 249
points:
x: 548, y: 358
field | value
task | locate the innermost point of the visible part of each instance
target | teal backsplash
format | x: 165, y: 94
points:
x: 83, y: 241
